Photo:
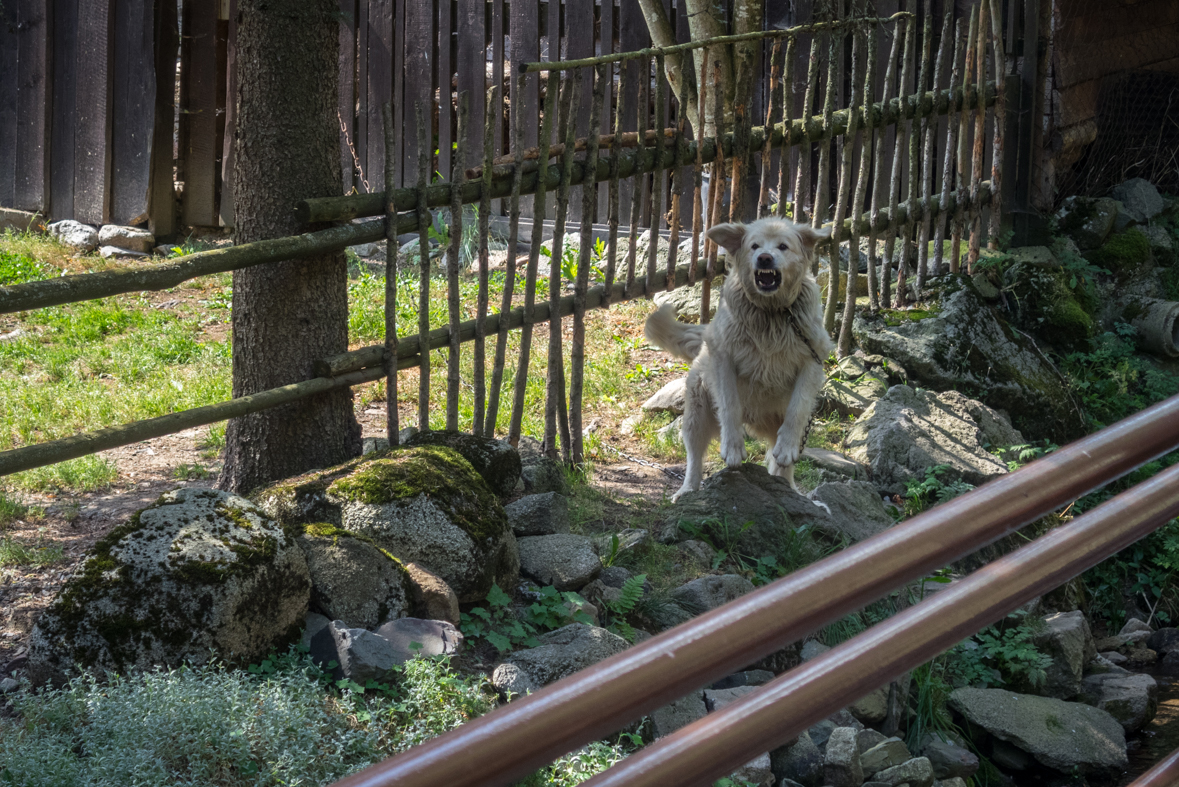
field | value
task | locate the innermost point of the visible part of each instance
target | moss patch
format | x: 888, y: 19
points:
x: 1123, y: 253
x: 894, y: 317
x: 326, y: 530
x: 438, y: 472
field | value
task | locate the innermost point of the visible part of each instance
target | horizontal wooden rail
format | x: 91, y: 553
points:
x: 161, y: 276
x: 513, y: 741
x: 633, y: 161
x: 652, y: 52
x: 339, y: 371
x: 721, y: 742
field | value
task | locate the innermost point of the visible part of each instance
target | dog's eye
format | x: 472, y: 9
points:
x: 781, y: 247
x: 755, y: 247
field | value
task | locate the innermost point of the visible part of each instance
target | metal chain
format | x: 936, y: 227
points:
x: 645, y: 462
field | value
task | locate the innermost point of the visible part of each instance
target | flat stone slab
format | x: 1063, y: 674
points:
x: 563, y: 560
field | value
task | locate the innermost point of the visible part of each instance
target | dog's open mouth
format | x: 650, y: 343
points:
x: 767, y: 280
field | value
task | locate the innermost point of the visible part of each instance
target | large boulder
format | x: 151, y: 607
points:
x: 74, y: 234
x: 200, y: 574
x: 1067, y: 640
x: 495, y: 460
x: 669, y: 398
x: 736, y: 497
x: 857, y: 503
x: 1139, y: 198
x: 353, y: 580
x: 1086, y: 220
x: 1131, y: 699
x: 129, y: 238
x: 851, y: 388
x: 560, y: 653
x: 1065, y: 736
x: 909, y: 430
x: 965, y: 346
x: 424, y: 504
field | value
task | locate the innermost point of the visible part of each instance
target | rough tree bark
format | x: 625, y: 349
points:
x: 286, y: 315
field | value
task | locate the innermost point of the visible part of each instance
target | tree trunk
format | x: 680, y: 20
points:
x: 286, y: 315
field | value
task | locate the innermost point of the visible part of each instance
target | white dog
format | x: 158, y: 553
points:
x: 759, y: 362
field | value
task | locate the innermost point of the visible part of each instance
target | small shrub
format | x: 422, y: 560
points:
x: 499, y: 624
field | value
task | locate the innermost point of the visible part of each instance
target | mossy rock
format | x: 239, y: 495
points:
x: 1125, y: 253
x: 353, y: 579
x: 1047, y: 306
x: 200, y: 574
x: 967, y: 346
x: 496, y: 461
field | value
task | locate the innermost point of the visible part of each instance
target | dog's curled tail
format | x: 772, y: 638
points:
x: 663, y: 330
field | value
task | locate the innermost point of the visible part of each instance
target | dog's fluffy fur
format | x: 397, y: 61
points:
x: 749, y: 366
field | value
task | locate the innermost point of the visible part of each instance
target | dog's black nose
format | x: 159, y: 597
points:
x: 765, y: 261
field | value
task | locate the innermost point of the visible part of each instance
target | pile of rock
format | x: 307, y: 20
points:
x: 111, y: 240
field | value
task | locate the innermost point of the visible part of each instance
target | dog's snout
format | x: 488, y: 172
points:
x: 765, y: 261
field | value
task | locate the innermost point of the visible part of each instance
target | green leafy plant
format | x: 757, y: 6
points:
x: 16, y: 553
x: 1112, y: 381
x: 499, y: 624
x: 615, y: 612
x: 926, y: 492
x: 1000, y: 655
x: 17, y: 268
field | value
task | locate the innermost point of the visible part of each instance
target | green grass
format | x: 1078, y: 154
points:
x: 11, y: 510
x: 17, y: 553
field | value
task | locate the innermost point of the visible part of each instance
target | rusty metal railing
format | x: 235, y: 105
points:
x: 513, y: 741
x: 1165, y: 773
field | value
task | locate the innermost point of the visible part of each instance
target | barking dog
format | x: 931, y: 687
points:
x: 759, y: 362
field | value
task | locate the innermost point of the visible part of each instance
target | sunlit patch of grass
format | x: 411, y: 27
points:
x: 85, y: 474
x: 12, y: 510
x: 17, y: 553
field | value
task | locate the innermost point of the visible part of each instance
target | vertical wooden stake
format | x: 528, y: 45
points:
x: 698, y: 208
x: 823, y: 185
x: 392, y: 424
x: 874, y: 297
x: 763, y: 194
x: 453, y: 302
x: 894, y: 185
x: 787, y: 111
x: 612, y: 191
x: 980, y: 126
x: 556, y: 423
x: 656, y: 184
x: 425, y: 222
x: 963, y: 141
x: 948, y: 163
x: 802, y: 179
x: 501, y: 343
x: 491, y: 120
x: 1000, y: 119
x: 928, y: 133
x: 847, y: 152
x: 853, y: 265
x: 716, y: 191
x: 636, y: 204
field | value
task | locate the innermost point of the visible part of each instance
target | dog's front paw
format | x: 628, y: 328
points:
x: 733, y: 452
x: 786, y: 452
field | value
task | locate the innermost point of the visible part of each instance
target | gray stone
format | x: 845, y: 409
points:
x: 1035, y: 256
x: 1086, y: 220
x: 1131, y: 699
x: 841, y: 761
x: 858, y: 504
x: 850, y: 388
x: 821, y: 731
x: 1113, y: 657
x: 868, y: 738
x: 800, y: 762
x: 414, y: 637
x: 539, y: 515
x: 614, y: 576
x: 628, y: 540
x: 1067, y: 640
x: 430, y: 596
x: 542, y: 474
x: 680, y: 713
x: 949, y: 758
x: 908, y: 431
x: 351, y: 580
x: 72, y: 233
x: 1064, y: 736
x: 672, y: 433
x: 495, y: 460
x: 668, y: 399
x: 688, y: 300
x: 701, y: 595
x: 1164, y: 640
x: 917, y: 772
x: 837, y: 463
x: 313, y: 623
x: 370, y: 444
x: 757, y: 771
x: 114, y: 252
x: 884, y: 755
x: 360, y: 655
x: 812, y: 648
x: 560, y: 653
x: 872, y: 708
x: 129, y: 238
x: 982, y: 283
x: 1139, y: 198
x: 199, y: 575
x: 953, y: 781
x: 1169, y: 664
x: 754, y: 677
x: 563, y: 560
x: 1161, y: 244
x: 1134, y: 626
x: 700, y: 551
x: 715, y: 699
x: 966, y: 346
x: 9, y: 685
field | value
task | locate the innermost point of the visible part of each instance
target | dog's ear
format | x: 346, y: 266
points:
x: 728, y: 236
x: 810, y: 236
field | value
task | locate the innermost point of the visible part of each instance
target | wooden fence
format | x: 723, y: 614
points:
x: 915, y: 127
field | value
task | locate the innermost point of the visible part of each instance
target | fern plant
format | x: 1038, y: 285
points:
x: 615, y: 612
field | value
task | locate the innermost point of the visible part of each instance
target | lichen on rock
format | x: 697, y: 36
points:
x: 352, y: 579
x: 199, y: 574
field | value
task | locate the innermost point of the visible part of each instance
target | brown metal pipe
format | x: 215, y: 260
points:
x: 514, y: 740
x: 721, y: 742
x: 1165, y: 773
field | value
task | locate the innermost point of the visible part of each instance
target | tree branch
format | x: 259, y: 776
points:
x: 681, y: 79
